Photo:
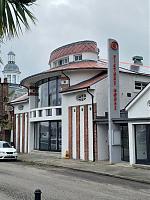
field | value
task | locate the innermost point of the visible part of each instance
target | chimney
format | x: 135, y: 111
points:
x: 137, y: 62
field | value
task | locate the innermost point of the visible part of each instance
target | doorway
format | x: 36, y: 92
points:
x: 124, y: 143
x: 47, y: 136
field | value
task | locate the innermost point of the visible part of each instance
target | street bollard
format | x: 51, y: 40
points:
x: 37, y: 194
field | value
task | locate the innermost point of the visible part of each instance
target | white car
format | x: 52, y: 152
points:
x: 7, y: 151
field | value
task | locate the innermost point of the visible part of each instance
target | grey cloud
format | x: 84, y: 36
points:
x: 72, y: 20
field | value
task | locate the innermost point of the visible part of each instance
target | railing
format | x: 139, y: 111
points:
x: 46, y: 113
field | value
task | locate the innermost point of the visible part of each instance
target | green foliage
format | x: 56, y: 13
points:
x: 14, y: 15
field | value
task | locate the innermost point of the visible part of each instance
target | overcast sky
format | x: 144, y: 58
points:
x: 64, y: 21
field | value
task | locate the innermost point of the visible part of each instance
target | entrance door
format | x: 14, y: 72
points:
x: 142, y: 143
x: 55, y: 136
x: 49, y: 136
x: 44, y: 136
x: 124, y: 143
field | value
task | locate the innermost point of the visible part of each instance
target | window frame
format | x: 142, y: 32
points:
x: 78, y: 56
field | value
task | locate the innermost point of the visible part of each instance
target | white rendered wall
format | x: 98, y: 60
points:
x: 131, y: 143
x: 25, y: 108
x: 67, y: 101
x: 21, y: 133
x: 90, y: 132
x: 16, y: 131
x: 25, y: 132
x: 74, y: 133
x: 140, y: 109
x: 126, y: 84
x: 101, y: 97
x: 89, y: 56
x: 81, y: 132
x: 31, y: 137
x: 80, y: 76
x: 85, y: 56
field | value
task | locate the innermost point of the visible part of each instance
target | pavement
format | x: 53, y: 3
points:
x: 121, y: 170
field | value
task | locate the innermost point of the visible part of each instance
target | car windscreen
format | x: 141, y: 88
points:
x: 6, y: 145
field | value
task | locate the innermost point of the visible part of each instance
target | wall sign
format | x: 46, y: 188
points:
x: 113, y: 78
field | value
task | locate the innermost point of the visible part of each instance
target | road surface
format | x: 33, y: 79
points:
x: 18, y: 181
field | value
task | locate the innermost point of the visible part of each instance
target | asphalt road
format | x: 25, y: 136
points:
x: 19, y: 181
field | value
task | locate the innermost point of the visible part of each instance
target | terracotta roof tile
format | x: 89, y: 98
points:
x: 80, y: 65
x: 77, y: 47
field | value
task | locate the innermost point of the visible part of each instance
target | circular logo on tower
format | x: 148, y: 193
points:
x: 114, y: 45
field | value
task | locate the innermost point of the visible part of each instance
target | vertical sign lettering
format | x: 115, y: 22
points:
x: 113, y: 79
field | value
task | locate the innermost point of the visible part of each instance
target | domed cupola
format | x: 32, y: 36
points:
x: 11, y: 70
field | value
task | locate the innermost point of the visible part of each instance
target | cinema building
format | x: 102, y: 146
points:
x: 66, y: 109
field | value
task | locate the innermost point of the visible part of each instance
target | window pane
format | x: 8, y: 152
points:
x: 53, y: 138
x: 52, y: 93
x: 59, y: 94
x: 44, y: 135
x: 43, y: 95
x: 141, y: 146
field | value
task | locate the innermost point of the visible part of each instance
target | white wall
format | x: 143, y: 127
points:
x: 101, y: 97
x: 70, y: 100
x: 80, y: 76
x: 81, y: 133
x: 74, y: 156
x: 140, y: 108
x: 25, y: 108
x: 126, y: 84
x: 90, y: 132
x: 85, y: 56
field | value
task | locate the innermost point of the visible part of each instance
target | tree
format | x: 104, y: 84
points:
x: 14, y: 15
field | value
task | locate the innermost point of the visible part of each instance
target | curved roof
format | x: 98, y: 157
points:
x: 83, y: 65
x: 74, y: 66
x: 11, y: 67
x: 74, y: 48
x: 11, y: 53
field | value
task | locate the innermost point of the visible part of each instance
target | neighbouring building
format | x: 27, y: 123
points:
x: 12, y: 73
x: 5, y: 116
x: 139, y: 127
x: 66, y: 108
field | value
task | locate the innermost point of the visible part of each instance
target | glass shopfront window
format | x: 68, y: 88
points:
x: 142, y: 141
x: 49, y: 92
x: 47, y: 136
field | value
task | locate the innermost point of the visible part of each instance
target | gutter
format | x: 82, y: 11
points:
x: 92, y: 97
